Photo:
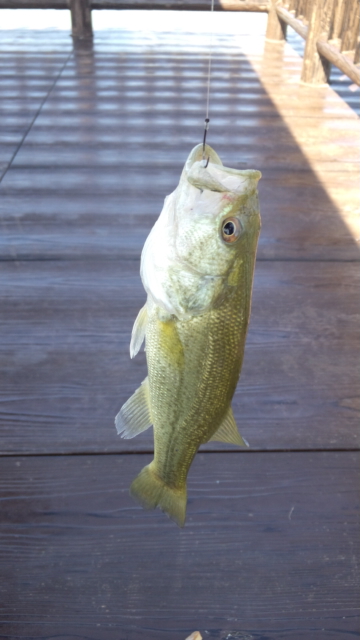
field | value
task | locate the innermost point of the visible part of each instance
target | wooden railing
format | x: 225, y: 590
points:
x: 330, y: 27
x: 331, y: 31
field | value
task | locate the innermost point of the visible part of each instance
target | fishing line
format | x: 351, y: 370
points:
x: 207, y: 119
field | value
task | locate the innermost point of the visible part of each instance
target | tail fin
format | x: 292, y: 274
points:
x: 152, y: 492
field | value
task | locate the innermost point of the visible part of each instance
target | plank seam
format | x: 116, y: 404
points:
x: 151, y: 452
x: 101, y: 258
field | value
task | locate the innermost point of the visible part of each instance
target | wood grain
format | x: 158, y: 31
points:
x: 290, y: 19
x: 81, y: 26
x: 275, y: 28
x: 104, y: 142
x: 332, y: 53
x: 177, y: 5
x: 271, y: 544
x: 268, y: 551
x: 25, y: 82
x: 316, y: 68
x: 65, y: 346
x: 54, y: 214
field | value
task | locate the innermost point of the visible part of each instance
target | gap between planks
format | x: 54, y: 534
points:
x: 151, y: 452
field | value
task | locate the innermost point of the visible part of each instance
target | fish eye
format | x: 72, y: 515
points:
x: 231, y: 229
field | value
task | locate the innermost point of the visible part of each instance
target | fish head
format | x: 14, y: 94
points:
x: 209, y: 226
x: 217, y: 213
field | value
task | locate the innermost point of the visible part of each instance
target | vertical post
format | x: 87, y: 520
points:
x: 307, y: 6
x: 351, y: 27
x: 276, y: 28
x: 316, y: 69
x: 357, y: 53
x: 81, y: 18
x: 338, y: 23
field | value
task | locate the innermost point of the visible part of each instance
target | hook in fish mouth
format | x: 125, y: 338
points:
x: 205, y: 171
x: 206, y: 127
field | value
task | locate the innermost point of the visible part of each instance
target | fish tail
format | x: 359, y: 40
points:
x: 151, y: 491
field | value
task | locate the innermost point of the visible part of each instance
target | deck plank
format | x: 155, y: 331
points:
x: 66, y: 330
x: 269, y: 549
x: 113, y: 135
x: 51, y: 213
x: 25, y: 82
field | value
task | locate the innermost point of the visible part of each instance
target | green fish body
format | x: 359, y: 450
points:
x: 197, y: 268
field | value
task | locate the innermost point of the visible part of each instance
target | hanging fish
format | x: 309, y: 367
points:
x: 197, y: 268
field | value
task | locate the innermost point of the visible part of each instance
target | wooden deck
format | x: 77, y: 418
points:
x: 92, y: 139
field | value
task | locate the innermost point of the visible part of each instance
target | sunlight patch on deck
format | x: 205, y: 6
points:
x: 331, y: 125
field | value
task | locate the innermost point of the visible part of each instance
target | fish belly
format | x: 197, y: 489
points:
x: 193, y: 369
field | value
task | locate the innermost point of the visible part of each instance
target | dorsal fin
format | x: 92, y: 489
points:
x: 138, y: 332
x: 134, y: 416
x: 228, y: 431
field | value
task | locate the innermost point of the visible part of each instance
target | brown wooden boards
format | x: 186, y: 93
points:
x: 66, y: 330
x: 177, y: 5
x: 111, y: 139
x: 25, y: 82
x: 83, y: 213
x: 269, y: 549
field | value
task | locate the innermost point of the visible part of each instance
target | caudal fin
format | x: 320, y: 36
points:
x: 152, y: 492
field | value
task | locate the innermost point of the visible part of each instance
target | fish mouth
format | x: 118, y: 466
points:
x: 199, y: 153
x: 212, y: 175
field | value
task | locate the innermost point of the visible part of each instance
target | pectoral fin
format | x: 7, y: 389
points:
x: 134, y: 416
x: 138, y: 332
x: 228, y: 431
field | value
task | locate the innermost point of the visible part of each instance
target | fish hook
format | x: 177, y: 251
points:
x: 207, y: 120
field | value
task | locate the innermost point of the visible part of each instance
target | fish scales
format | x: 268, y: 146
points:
x: 197, y: 269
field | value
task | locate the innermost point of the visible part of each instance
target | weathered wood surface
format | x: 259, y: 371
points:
x: 25, y: 82
x: 34, y: 4
x: 333, y: 54
x: 306, y: 130
x: 288, y: 18
x: 184, y: 5
x: 95, y: 138
x: 349, y: 34
x: 81, y: 24
x: 316, y: 68
x: 276, y: 28
x: 114, y: 133
x: 172, y: 5
x: 66, y: 330
x: 269, y: 550
x: 45, y: 215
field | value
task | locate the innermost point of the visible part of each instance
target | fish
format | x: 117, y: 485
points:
x: 197, y: 268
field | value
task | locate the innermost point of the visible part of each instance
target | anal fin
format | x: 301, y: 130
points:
x: 134, y: 416
x: 228, y: 431
x: 138, y: 332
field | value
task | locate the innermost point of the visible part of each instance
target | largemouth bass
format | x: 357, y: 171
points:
x: 197, y: 268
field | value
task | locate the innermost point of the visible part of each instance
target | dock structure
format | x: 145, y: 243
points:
x: 94, y: 134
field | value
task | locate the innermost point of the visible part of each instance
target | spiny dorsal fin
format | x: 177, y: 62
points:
x: 138, y: 332
x: 228, y: 431
x: 134, y: 416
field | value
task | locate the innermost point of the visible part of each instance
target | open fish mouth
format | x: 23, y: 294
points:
x: 214, y: 176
